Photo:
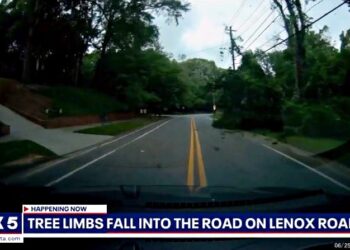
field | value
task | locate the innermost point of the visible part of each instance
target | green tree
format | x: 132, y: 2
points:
x: 325, y: 72
x: 200, y: 75
x: 128, y: 24
x: 344, y: 61
x: 144, y: 78
x: 250, y: 99
x: 49, y: 37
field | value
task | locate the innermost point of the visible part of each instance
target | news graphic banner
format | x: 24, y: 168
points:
x: 73, y: 221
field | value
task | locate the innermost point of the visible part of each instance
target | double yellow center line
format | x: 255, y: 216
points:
x: 195, y: 150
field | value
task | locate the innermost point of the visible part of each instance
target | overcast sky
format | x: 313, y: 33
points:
x: 201, y: 33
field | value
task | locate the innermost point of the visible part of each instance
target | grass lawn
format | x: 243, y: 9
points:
x: 118, y: 128
x: 217, y: 115
x: 2, y: 81
x: 80, y: 101
x: 15, y: 150
x: 310, y: 144
x: 314, y: 145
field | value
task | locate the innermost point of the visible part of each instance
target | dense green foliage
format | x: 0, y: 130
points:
x: 42, y: 38
x: 108, y: 45
x: 301, y: 90
x: 150, y: 79
x: 143, y: 78
x: 250, y: 99
x: 260, y: 93
x: 200, y: 75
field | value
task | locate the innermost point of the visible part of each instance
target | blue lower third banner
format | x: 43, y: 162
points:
x: 71, y: 221
x: 172, y: 224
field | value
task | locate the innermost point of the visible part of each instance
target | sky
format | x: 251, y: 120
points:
x: 201, y: 32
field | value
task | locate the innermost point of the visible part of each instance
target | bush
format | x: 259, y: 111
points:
x: 293, y: 114
x: 320, y: 120
x: 342, y: 106
x: 317, y: 120
x: 227, y: 122
x: 249, y: 121
x: 260, y: 120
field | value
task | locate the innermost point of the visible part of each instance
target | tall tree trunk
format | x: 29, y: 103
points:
x: 27, y: 58
x: 105, y: 43
x: 77, y: 69
x: 285, y: 21
x: 299, y: 49
x: 301, y: 43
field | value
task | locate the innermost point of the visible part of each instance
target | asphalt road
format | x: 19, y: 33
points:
x: 186, y: 151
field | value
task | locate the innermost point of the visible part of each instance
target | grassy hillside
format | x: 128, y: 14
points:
x: 79, y: 101
x: 34, y: 100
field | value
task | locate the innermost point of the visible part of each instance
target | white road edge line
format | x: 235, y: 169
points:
x: 54, y: 182
x: 310, y: 168
x: 45, y: 167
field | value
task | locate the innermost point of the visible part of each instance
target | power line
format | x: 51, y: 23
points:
x: 206, y: 49
x: 261, y: 33
x: 222, y: 43
x: 307, y: 26
x: 257, y: 29
x: 256, y: 21
x: 262, y: 23
x: 312, y: 7
x: 238, y: 11
x: 268, y: 41
x: 231, y: 19
x: 250, y: 16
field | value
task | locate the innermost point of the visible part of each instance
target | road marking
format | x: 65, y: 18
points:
x: 310, y: 168
x: 195, y: 152
x: 190, y: 173
x: 200, y: 161
x: 56, y: 181
x: 126, y: 135
x: 74, y: 155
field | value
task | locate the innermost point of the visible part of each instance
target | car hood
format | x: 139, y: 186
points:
x: 136, y: 197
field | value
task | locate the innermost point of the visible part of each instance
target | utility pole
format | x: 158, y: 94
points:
x: 234, y: 48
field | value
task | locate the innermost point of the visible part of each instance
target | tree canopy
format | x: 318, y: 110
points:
x: 261, y: 93
x: 45, y: 38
